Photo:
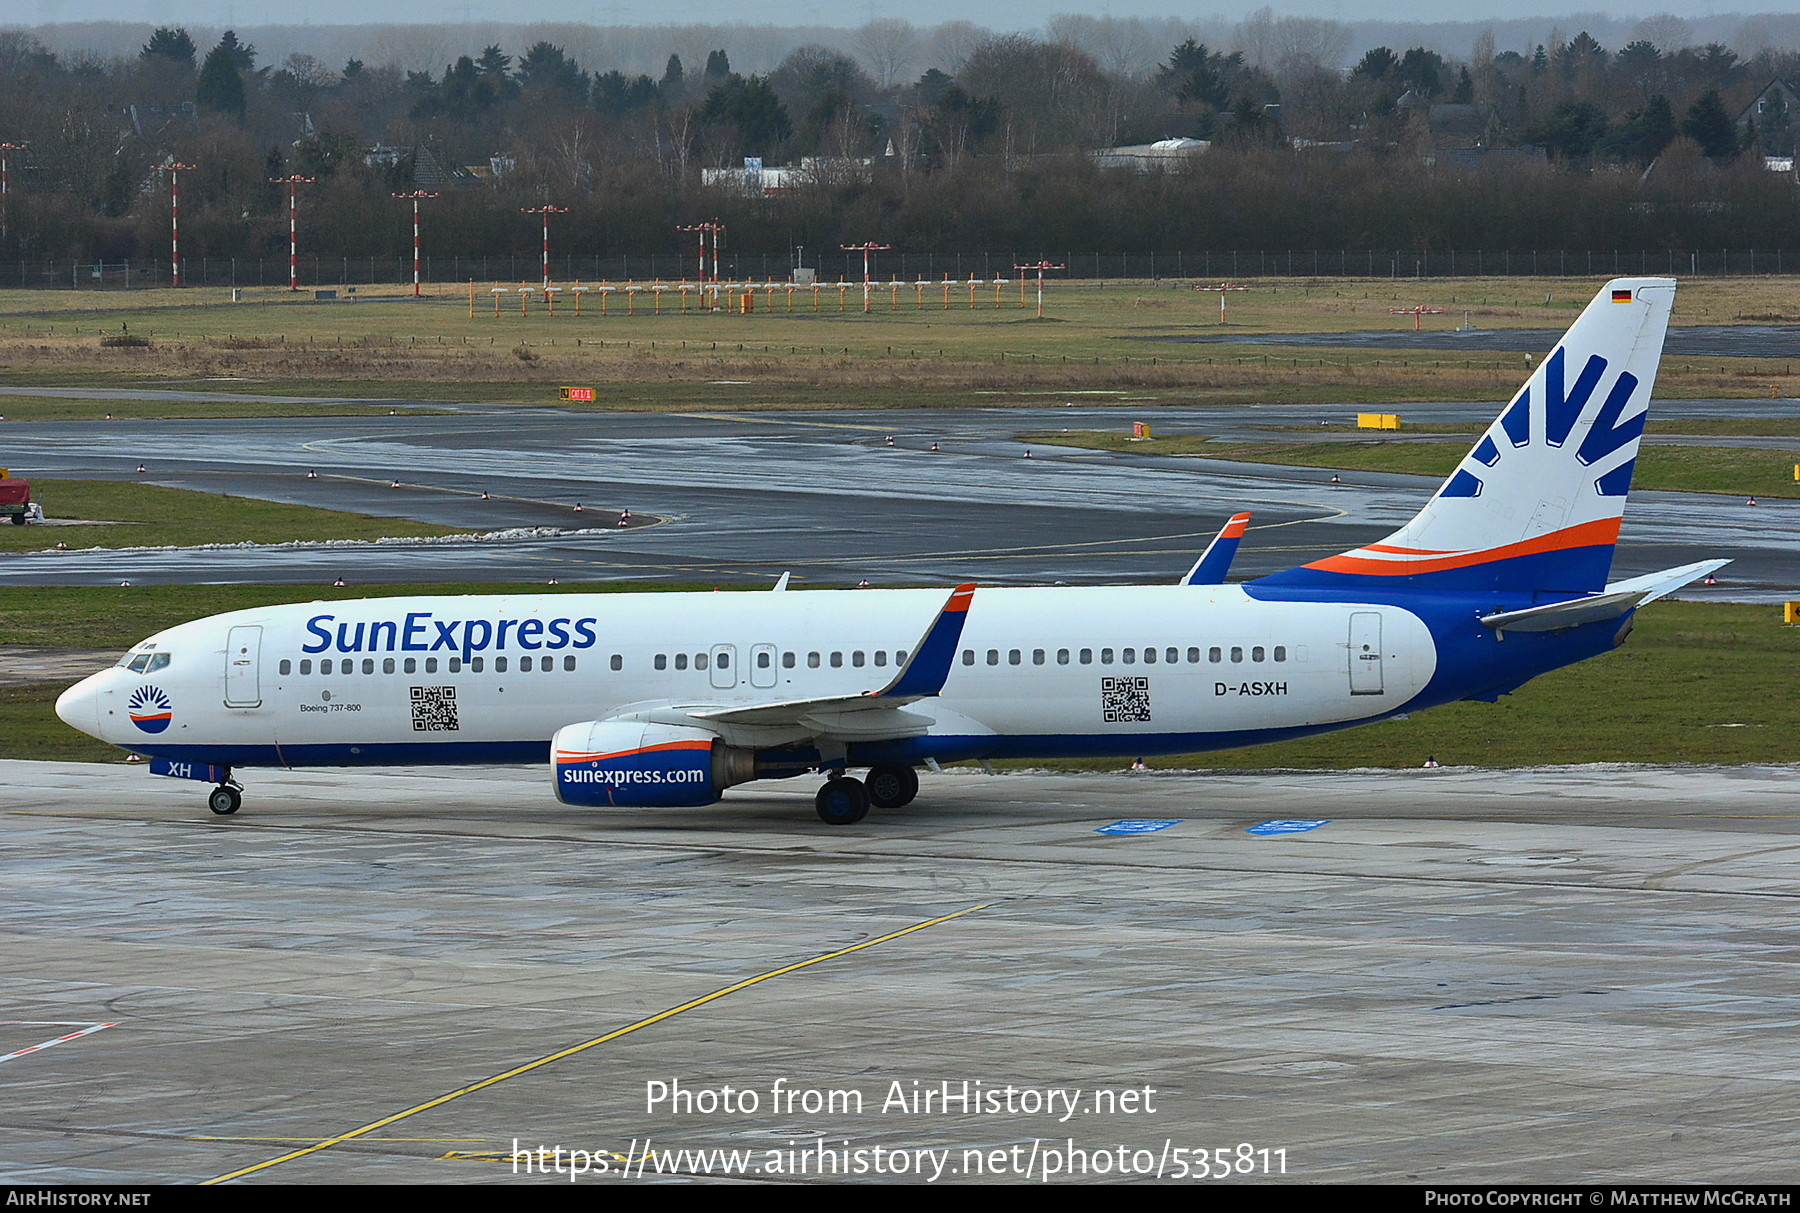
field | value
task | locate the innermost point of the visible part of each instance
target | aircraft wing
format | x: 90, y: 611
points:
x: 1618, y: 598
x: 863, y: 716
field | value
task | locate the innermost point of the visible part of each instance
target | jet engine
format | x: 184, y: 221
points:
x: 631, y: 763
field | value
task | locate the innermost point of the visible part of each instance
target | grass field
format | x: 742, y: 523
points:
x: 897, y: 356
x: 147, y: 515
x: 1739, y: 471
x: 1704, y: 683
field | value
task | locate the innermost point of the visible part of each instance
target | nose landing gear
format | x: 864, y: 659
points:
x: 226, y: 799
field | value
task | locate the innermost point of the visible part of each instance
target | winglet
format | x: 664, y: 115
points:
x: 929, y: 666
x: 1215, y: 561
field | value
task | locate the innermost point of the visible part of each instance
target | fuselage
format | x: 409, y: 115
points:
x: 1038, y: 672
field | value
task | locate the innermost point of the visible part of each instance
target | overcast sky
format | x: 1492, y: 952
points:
x: 996, y: 14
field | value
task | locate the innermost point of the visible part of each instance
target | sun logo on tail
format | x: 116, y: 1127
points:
x: 1607, y: 433
x: 150, y: 709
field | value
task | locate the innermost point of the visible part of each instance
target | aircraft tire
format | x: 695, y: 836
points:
x: 18, y: 519
x: 892, y: 787
x: 225, y: 801
x: 842, y: 802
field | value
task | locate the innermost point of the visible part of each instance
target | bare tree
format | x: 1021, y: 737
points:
x: 1665, y: 31
x: 888, y: 47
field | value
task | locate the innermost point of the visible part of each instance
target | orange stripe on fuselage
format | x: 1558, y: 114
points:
x: 1599, y: 533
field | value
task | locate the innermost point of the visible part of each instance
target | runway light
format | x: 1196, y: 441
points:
x: 394, y: 485
x: 142, y: 469
x: 578, y: 507
x: 124, y: 585
x: 339, y: 581
x: 934, y: 446
x: 312, y: 475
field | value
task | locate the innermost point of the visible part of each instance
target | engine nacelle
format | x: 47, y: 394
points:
x: 627, y: 763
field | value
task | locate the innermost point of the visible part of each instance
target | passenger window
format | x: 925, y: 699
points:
x: 325, y: 665
x: 993, y: 657
x: 286, y: 666
x: 812, y: 661
x: 569, y: 663
x: 477, y: 664
x: 1037, y: 657
x: 1280, y: 652
x: 305, y: 665
x: 1193, y: 656
x: 681, y: 661
x: 900, y: 657
x: 1215, y: 655
x: 1062, y: 657
x: 454, y: 665
x: 968, y: 656
x: 368, y: 665
x: 857, y: 659
x: 1129, y: 656
x: 700, y: 661
x: 880, y: 656
x: 662, y: 661
x: 1149, y: 656
x: 1087, y: 657
x: 837, y: 660
x: 410, y: 665
x: 787, y: 661
x: 1171, y: 655
x: 499, y: 665
x: 387, y: 665
x: 762, y: 661
x: 1256, y: 654
x: 1106, y: 656
x: 1013, y: 657
x: 1237, y: 654
x: 618, y: 662
x: 431, y: 665
x: 724, y: 661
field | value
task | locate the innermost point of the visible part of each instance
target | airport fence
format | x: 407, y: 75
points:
x: 345, y: 272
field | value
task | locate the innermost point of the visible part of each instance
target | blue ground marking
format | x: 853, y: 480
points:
x: 1286, y: 827
x: 1137, y: 826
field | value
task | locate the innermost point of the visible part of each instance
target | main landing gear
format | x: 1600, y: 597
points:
x: 845, y: 801
x: 226, y: 799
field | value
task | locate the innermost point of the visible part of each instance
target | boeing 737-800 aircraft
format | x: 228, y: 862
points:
x: 659, y: 700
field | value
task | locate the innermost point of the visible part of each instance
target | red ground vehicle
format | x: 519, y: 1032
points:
x: 15, y: 499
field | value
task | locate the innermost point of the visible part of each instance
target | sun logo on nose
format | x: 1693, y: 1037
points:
x: 150, y: 709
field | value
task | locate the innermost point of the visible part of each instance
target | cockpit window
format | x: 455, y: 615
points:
x: 159, y: 661
x: 139, y: 663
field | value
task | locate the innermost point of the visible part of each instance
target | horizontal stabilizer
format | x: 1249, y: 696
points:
x: 1616, y: 600
x: 1215, y: 561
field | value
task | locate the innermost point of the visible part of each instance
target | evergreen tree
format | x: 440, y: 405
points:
x: 172, y: 44
x: 753, y: 108
x: 718, y: 68
x: 220, y: 89
x: 671, y: 77
x: 1710, y: 125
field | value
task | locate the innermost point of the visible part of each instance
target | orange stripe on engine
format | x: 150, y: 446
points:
x: 649, y: 749
x: 1598, y: 533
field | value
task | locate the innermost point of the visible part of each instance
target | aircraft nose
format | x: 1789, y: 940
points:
x: 79, y: 706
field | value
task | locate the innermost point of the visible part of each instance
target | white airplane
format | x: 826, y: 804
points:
x: 658, y: 700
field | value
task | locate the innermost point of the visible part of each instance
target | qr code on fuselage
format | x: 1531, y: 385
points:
x: 1125, y: 699
x: 434, y: 710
